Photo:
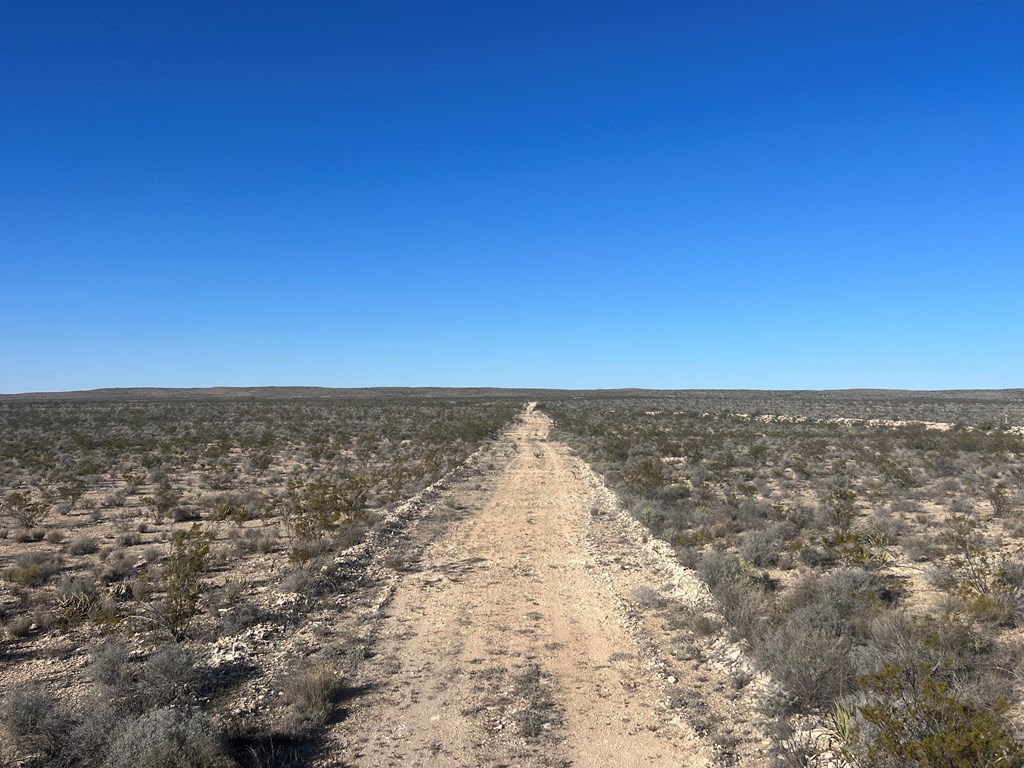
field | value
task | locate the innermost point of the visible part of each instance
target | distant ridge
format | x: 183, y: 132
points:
x: 277, y: 393
x: 264, y: 393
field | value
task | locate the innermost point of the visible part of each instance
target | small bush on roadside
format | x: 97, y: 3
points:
x: 310, y: 695
x: 811, y: 664
x: 913, y: 719
x: 169, y: 738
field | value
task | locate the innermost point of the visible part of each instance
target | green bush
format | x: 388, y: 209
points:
x: 915, y: 720
x: 183, y: 584
x: 645, y: 477
x: 930, y: 698
x: 322, y: 514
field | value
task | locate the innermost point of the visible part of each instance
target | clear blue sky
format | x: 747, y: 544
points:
x: 716, y: 194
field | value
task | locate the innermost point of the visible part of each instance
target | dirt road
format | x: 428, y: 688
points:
x: 535, y: 628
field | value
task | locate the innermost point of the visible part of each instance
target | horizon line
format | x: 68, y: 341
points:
x: 142, y: 391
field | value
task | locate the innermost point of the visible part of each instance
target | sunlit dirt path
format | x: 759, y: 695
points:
x: 508, y: 642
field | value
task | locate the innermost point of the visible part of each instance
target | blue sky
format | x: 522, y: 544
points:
x: 768, y: 195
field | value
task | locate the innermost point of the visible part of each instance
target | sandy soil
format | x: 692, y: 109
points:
x: 534, y: 627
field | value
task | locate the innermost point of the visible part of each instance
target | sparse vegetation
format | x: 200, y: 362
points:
x: 808, y: 517
x: 850, y: 556
x: 153, y: 529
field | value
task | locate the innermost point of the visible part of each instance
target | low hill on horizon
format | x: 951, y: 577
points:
x: 287, y: 392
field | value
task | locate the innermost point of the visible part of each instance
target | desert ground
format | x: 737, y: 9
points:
x: 587, y: 580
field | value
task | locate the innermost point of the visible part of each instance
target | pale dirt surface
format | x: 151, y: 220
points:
x: 534, y: 627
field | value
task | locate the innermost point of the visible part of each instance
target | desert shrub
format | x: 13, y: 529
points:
x: 35, y: 721
x: 702, y: 623
x: 886, y: 528
x: 840, y: 503
x: 182, y: 577
x: 310, y: 695
x: 128, y: 539
x: 946, y: 648
x: 19, y: 626
x: 169, y: 676
x: 999, y: 497
x: 752, y: 514
x: 809, y: 647
x: 321, y: 515
x: 266, y: 540
x: 720, y: 569
x: 673, y: 493
x: 83, y: 545
x: 185, y: 514
x: 989, y: 585
x: 811, y: 664
x: 764, y: 548
x: 169, y: 738
x: 115, y: 499
x: 914, y: 719
x: 32, y: 569
x: 26, y: 535
x: 75, y: 598
x: 645, y: 477
x: 233, y: 507
x: 71, y: 490
x: 117, y: 566
x: 25, y: 512
x: 99, y: 719
x: 920, y: 548
x: 163, y: 501
x: 55, y: 536
x: 739, y: 591
x: 109, y: 665
x: 240, y: 616
x: 647, y: 598
x: 840, y: 602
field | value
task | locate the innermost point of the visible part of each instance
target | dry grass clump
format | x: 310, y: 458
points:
x: 310, y: 693
x: 83, y: 545
x: 35, y: 721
